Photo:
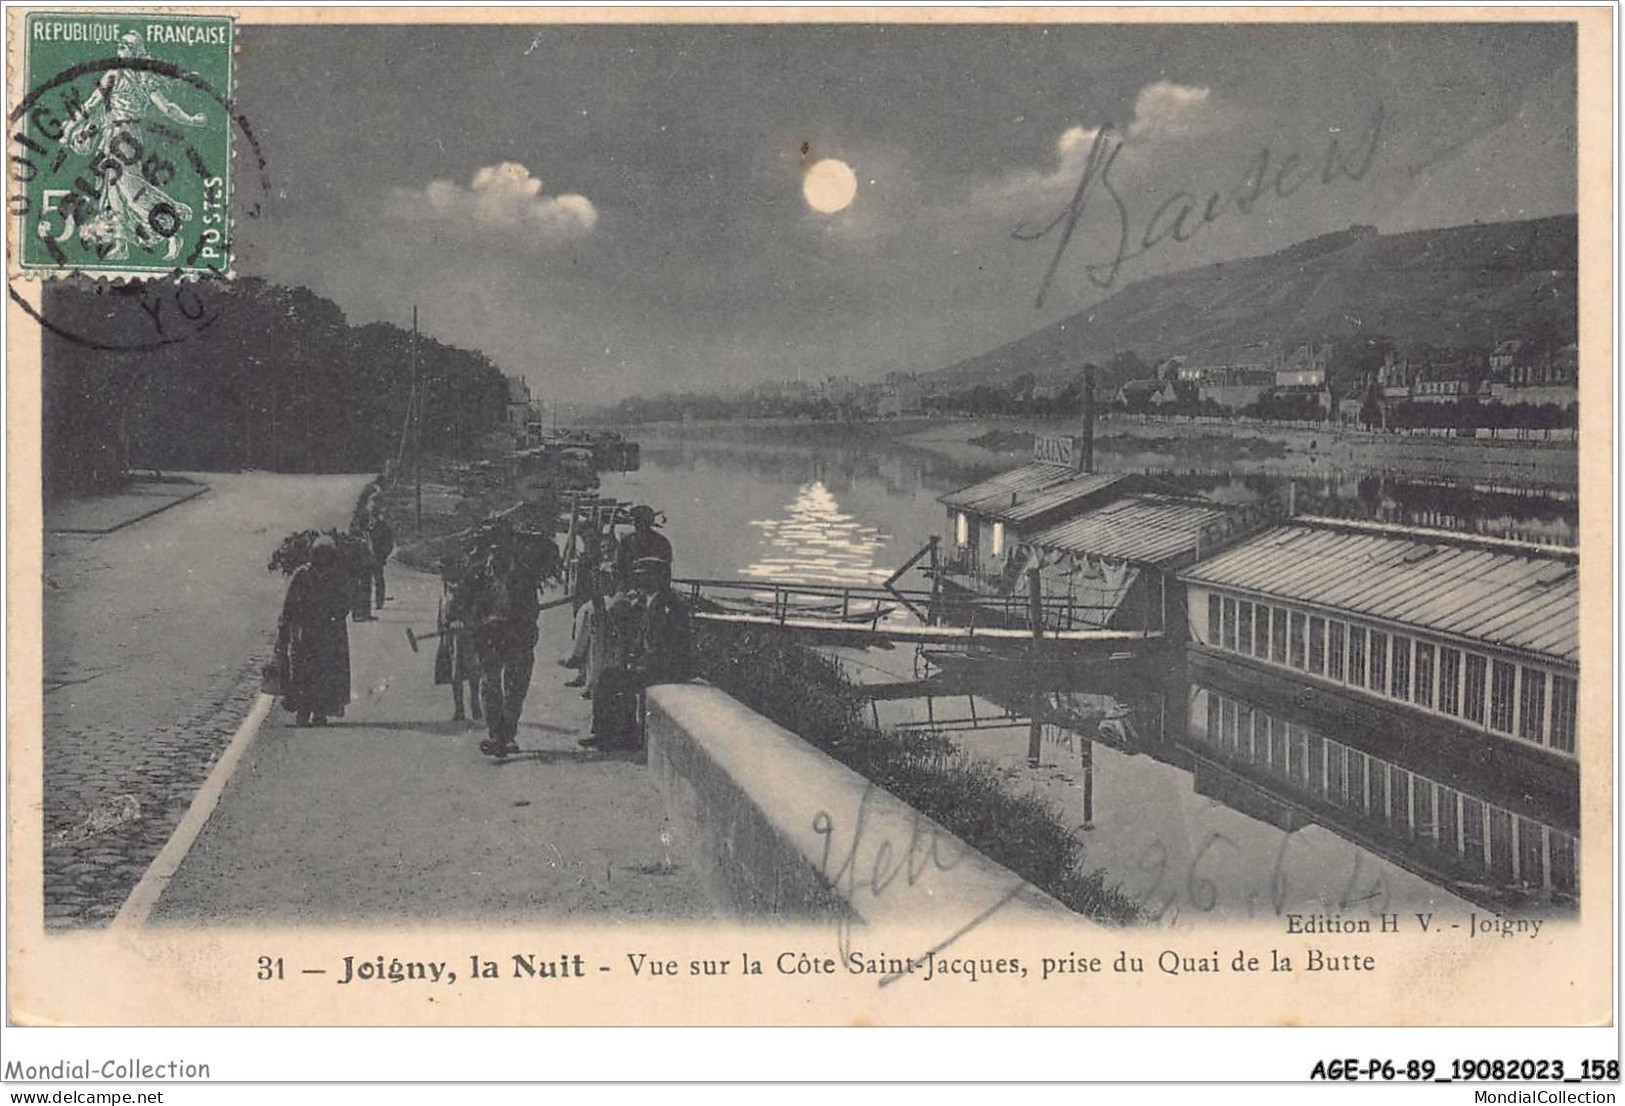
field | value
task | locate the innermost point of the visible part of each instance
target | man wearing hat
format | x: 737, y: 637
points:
x: 502, y: 603
x: 381, y: 541
x: 642, y: 542
x: 646, y: 641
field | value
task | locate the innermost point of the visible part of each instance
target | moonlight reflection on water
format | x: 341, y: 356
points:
x: 815, y: 543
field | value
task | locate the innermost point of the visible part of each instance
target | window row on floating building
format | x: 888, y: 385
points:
x: 1479, y: 632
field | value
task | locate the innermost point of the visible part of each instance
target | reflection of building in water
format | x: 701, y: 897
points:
x: 1545, y: 516
x: 1254, y: 749
x: 1478, y: 635
x: 1446, y: 832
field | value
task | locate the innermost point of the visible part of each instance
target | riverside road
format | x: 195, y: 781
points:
x: 156, y: 633
x: 392, y: 814
x: 154, y: 636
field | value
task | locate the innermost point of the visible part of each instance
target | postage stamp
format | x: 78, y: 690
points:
x: 121, y: 144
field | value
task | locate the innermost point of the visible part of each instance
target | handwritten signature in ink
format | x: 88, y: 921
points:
x: 1182, y: 215
x: 1170, y: 887
x: 929, y: 849
x: 1166, y: 888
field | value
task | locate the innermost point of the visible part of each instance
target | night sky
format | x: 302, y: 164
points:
x: 610, y: 210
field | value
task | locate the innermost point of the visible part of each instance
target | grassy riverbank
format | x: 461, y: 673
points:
x: 808, y: 694
x: 1123, y: 442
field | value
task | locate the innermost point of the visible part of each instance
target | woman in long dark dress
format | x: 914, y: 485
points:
x: 313, y: 643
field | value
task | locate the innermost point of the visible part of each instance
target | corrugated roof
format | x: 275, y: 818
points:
x: 1513, y: 595
x: 1029, y: 491
x: 1145, y: 529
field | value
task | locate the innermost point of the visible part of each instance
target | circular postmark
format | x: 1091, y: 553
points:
x: 112, y: 176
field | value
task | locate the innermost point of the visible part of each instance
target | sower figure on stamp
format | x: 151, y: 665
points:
x: 313, y: 644
x: 504, y: 585
x: 455, y: 659
x: 115, y: 113
x: 382, y: 539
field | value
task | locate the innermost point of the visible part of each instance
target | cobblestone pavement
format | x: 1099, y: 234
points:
x: 154, y: 636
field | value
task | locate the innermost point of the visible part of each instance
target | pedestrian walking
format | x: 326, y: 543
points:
x: 313, y: 643
x: 455, y: 659
x: 355, y: 550
x: 588, y: 580
x: 505, y: 582
x: 381, y: 537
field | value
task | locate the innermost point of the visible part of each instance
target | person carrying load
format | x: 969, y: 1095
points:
x: 504, y: 584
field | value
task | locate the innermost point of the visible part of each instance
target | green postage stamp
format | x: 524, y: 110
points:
x: 121, y: 144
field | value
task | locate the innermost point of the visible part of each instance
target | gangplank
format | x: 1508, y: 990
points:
x: 886, y: 616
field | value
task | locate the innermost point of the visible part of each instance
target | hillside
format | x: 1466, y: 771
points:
x: 1459, y: 286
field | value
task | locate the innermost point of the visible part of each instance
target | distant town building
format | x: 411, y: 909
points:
x: 1515, y: 371
x: 900, y: 397
x: 1225, y: 362
x: 1522, y: 373
x: 1300, y: 378
x: 1447, y: 377
x: 1304, y: 365
x: 838, y: 389
x: 1508, y: 358
x: 1236, y: 388
x: 1398, y: 370
x: 1141, y: 395
x: 519, y: 404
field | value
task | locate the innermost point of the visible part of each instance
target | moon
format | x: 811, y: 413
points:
x: 830, y: 185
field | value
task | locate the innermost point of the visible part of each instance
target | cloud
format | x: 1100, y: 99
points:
x: 1071, y: 152
x: 1167, y: 110
x: 1074, y: 141
x: 501, y: 201
x: 1163, y: 112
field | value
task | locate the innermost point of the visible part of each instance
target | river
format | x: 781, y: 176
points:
x: 1194, y: 797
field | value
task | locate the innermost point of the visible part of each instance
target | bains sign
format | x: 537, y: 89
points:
x: 1056, y: 450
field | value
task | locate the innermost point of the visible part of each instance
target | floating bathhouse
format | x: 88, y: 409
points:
x: 1114, y: 565
x: 1478, y: 633
x: 989, y: 521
